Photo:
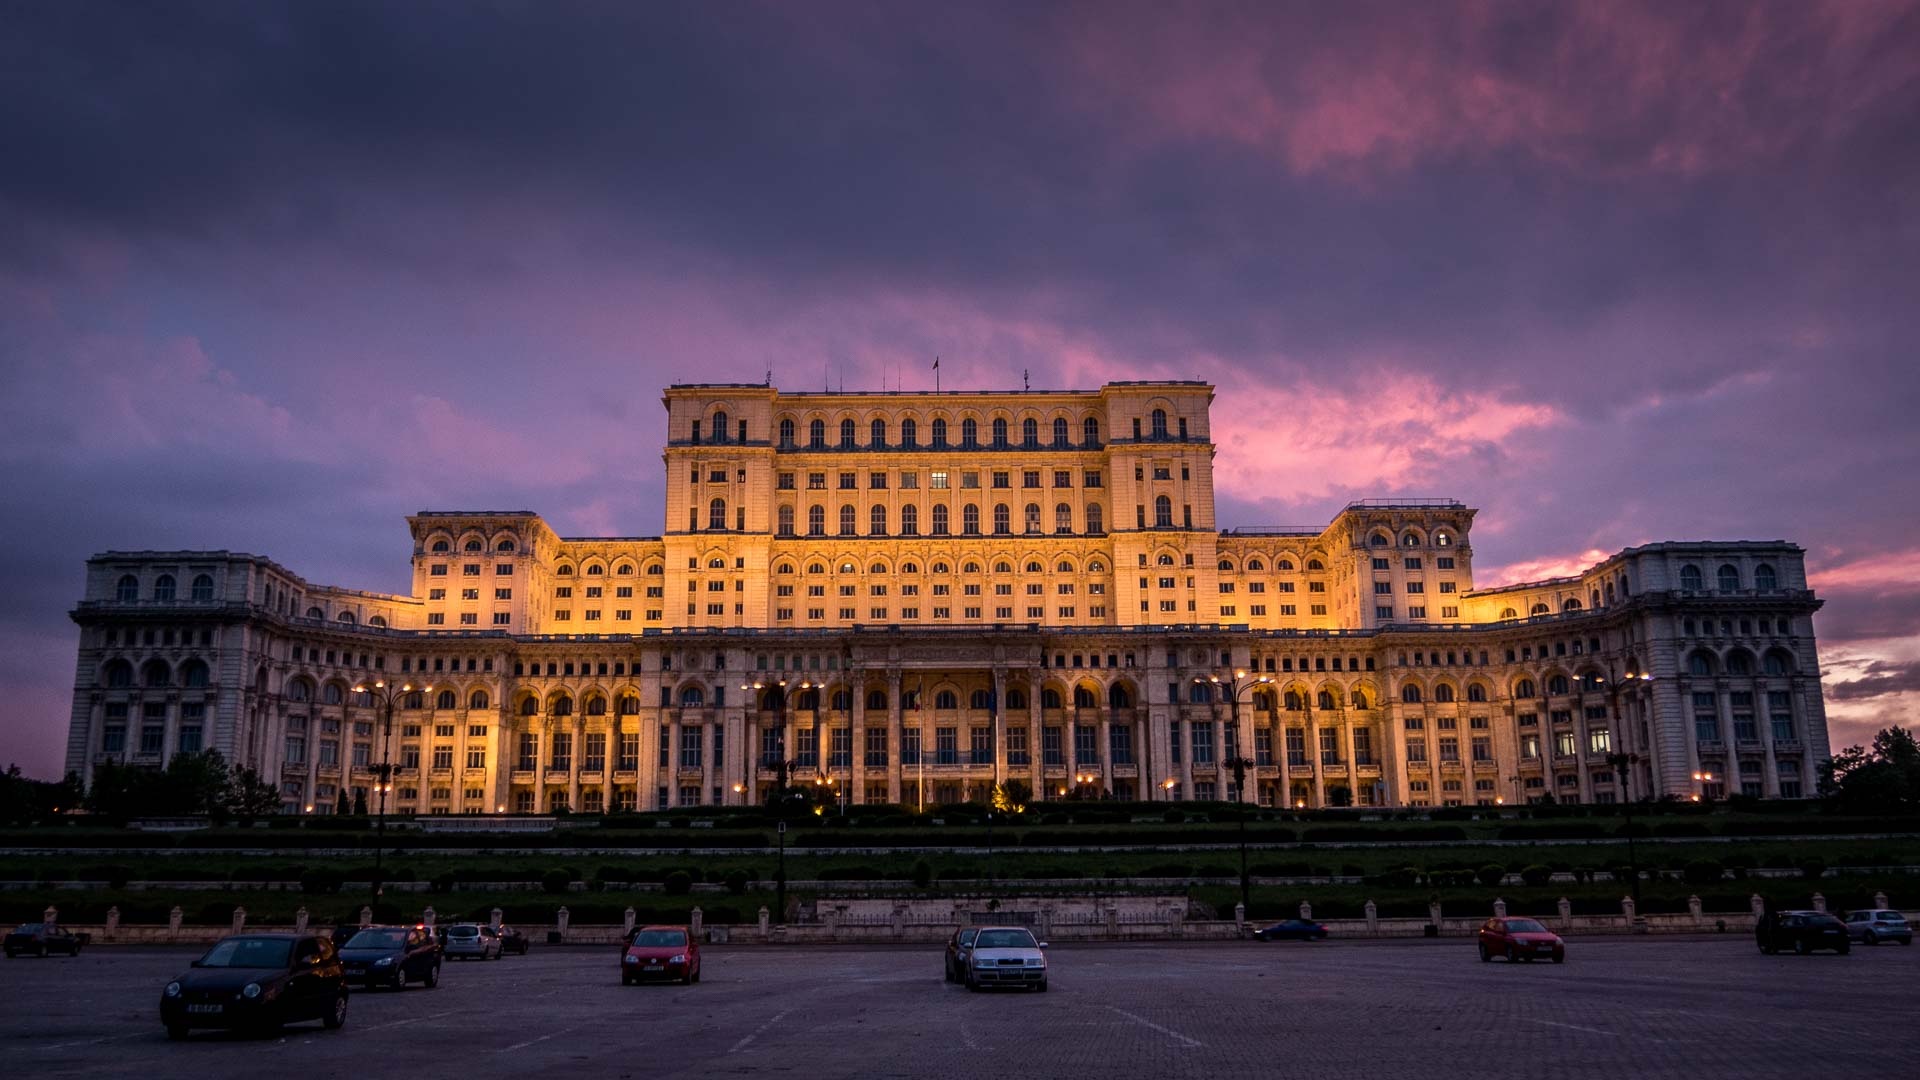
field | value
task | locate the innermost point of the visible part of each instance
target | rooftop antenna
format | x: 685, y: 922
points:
x: 936, y: 373
x: 1024, y: 385
x: 769, y: 381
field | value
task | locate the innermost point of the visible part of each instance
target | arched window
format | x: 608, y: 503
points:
x: 1476, y: 692
x: 717, y: 515
x: 1443, y: 694
x: 1700, y: 662
x: 1359, y: 700
x: 1030, y: 432
x: 969, y: 434
x: 128, y: 590
x: 1119, y: 698
x: 1002, y: 520
x: 1441, y: 539
x: 816, y: 521
x: 1034, y: 567
x: 1410, y: 694
x: 1379, y: 540
x: 300, y: 690
x: 970, y: 520
x: 1090, y: 432
x: 596, y: 706
x: 1162, y: 512
x: 1064, y: 567
x: 909, y: 520
x: 155, y: 673
x: 1410, y: 540
x: 346, y: 617
x: 939, y: 433
x: 1556, y: 684
x: 876, y: 700
x: 1729, y: 578
x: 1778, y: 662
x: 1084, y: 698
x: 119, y: 676
x: 946, y: 699
x: 446, y: 699
x: 1032, y: 515
x: 1764, y: 579
x: 1049, y: 698
x: 163, y: 588
x: 940, y: 521
x: 441, y: 547
x: 846, y: 435
x: 786, y: 433
x: 203, y: 587
x: 877, y: 434
x: 376, y: 620
x: 1523, y: 688
x: 1739, y: 662
x: 1093, y: 520
x: 628, y: 705
x: 1157, y: 424
x: 1226, y: 567
x: 1571, y: 604
x: 1016, y: 698
x: 332, y: 694
x: 193, y: 674
x: 478, y: 700
x: 1540, y: 609
x: 909, y: 433
x: 693, y: 695
x: 1315, y: 565
x: 817, y: 435
x: 474, y: 545
x: 1164, y: 560
x: 562, y: 705
x: 877, y: 521
x: 1060, y: 431
x: 563, y: 570
x: 1690, y: 578
x: 784, y: 520
x: 1063, y: 518
x: 1323, y: 700
x: 999, y: 433
x: 504, y: 547
x: 529, y: 707
x: 1509, y: 613
x: 847, y: 514
x: 981, y: 699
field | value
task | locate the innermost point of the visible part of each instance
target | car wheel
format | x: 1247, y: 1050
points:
x: 337, y: 1015
x: 1513, y: 955
x: 1042, y: 987
x: 432, y: 978
x: 43, y: 950
x: 1870, y: 939
x: 626, y: 979
x: 1802, y: 947
x: 399, y: 981
x: 695, y: 977
x: 176, y: 1031
x: 1485, y: 956
x: 1906, y: 941
x: 10, y: 954
x: 1559, y: 958
x: 1844, y: 950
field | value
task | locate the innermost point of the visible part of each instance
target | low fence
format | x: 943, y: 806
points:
x: 1063, y: 919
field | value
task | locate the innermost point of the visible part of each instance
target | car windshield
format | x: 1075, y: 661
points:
x: 463, y: 931
x: 659, y: 939
x: 1890, y: 916
x: 248, y: 953
x: 28, y: 928
x: 378, y: 939
x: 1004, y: 939
x: 1524, y: 926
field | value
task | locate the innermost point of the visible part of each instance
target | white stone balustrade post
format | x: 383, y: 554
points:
x: 300, y: 921
x: 239, y: 919
x: 1373, y: 917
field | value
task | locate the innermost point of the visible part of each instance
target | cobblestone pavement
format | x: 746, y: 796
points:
x: 1642, y: 1008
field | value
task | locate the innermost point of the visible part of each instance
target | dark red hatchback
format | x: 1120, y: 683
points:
x: 1520, y: 939
x: 665, y: 953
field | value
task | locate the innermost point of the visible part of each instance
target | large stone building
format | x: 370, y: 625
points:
x: 911, y: 596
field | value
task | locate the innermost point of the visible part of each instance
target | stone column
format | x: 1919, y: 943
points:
x: 697, y: 920
x: 895, y: 724
x: 574, y: 760
x: 427, y: 917
x: 1565, y: 907
x: 366, y: 917
x: 560, y: 920
x: 1693, y: 907
x: 1036, y: 752
x: 1756, y: 905
x: 113, y: 921
x: 766, y: 928
x: 1104, y: 747
x: 300, y: 921
x: 857, y: 747
x: 1820, y: 902
x: 1433, y: 913
x: 239, y: 919
x: 1879, y: 899
x: 494, y: 918
x: 1306, y: 910
x: 1310, y: 735
x: 1499, y: 908
x: 1373, y: 918
x: 51, y: 916
x: 173, y: 921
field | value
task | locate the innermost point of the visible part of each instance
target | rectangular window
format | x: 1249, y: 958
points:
x: 1086, y: 746
x: 1706, y: 718
x: 876, y: 747
x: 1050, y: 749
x: 910, y: 746
x: 1780, y: 711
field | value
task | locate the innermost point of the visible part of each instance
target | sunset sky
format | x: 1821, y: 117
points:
x: 272, y: 277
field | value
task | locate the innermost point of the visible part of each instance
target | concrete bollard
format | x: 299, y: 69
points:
x: 1499, y: 907
x: 1693, y: 907
x: 1433, y: 914
x: 1879, y: 899
x: 560, y: 920
x: 1306, y: 910
x: 898, y: 921
x: 51, y: 916
x: 697, y: 922
x: 1239, y: 918
x: 239, y: 919
x: 1046, y: 921
x: 1373, y: 917
x: 173, y: 920
x: 626, y: 923
x: 1756, y: 905
x: 427, y: 917
x: 766, y: 923
x: 497, y: 916
x: 366, y: 917
x: 1176, y: 922
x: 300, y: 921
x: 1565, y: 908
x: 1820, y: 902
x: 1626, y: 908
x: 113, y: 920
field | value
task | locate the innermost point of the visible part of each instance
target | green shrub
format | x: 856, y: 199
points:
x: 315, y: 882
x: 1491, y: 875
x: 1536, y: 875
x: 737, y: 881
x: 1174, y: 815
x: 1702, y: 871
x: 922, y: 874
x: 442, y: 883
x: 678, y: 883
x: 1813, y: 869
x: 556, y: 881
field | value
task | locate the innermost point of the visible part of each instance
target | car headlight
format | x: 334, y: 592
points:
x: 250, y: 991
x: 173, y: 989
x: 678, y: 958
x: 385, y: 961
x: 630, y: 959
x: 983, y: 963
x: 1034, y: 961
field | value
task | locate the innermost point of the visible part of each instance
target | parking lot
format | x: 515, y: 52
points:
x: 1639, y: 1007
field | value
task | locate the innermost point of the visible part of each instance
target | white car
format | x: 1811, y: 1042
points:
x: 1006, y: 956
x: 468, y: 941
x: 1875, y: 925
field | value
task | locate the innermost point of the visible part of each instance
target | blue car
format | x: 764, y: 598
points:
x: 1292, y: 930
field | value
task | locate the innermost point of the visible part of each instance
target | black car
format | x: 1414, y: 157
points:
x: 1801, y: 931
x: 39, y: 939
x: 258, y: 981
x: 959, y: 946
x: 392, y: 956
x: 512, y: 941
x: 1292, y: 930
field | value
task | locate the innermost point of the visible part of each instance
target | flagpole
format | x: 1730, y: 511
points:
x: 936, y: 374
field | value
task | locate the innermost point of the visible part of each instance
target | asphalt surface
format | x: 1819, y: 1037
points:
x: 1644, y: 1007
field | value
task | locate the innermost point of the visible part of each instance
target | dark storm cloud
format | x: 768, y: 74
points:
x: 1881, y: 677
x: 274, y: 275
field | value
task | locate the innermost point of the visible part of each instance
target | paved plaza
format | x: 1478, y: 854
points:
x: 1619, y: 1008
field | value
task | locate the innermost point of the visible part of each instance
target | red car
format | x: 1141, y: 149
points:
x: 668, y: 953
x: 1520, y: 939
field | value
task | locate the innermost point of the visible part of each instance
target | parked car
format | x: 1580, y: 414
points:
x: 959, y: 943
x: 660, y: 952
x: 512, y: 941
x: 1801, y: 931
x: 392, y: 956
x: 1292, y: 930
x: 471, y: 941
x: 1004, y: 956
x: 258, y: 981
x: 1875, y: 925
x: 40, y: 939
x: 1520, y: 939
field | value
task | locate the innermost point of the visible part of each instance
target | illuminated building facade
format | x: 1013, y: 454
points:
x: 911, y: 596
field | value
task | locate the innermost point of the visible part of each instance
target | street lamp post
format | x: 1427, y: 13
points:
x: 783, y: 767
x: 1623, y: 763
x: 385, y: 695
x: 1233, y: 687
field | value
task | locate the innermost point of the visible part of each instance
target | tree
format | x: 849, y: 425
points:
x: 196, y: 784
x: 250, y: 797
x: 1012, y: 797
x: 1883, y: 778
x: 24, y: 800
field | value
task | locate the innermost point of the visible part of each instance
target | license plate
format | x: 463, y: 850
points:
x: 653, y: 967
x: 356, y: 971
x: 205, y: 1008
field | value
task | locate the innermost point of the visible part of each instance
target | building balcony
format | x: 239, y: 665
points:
x: 440, y: 774
x: 1366, y: 770
x: 289, y: 768
x: 1782, y: 746
x: 592, y: 776
x: 626, y: 776
x: 1305, y: 771
x: 1711, y: 746
x: 1532, y: 764
x: 1485, y: 765
x: 522, y: 776
x: 1749, y: 746
x: 1452, y: 766
x: 558, y: 776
